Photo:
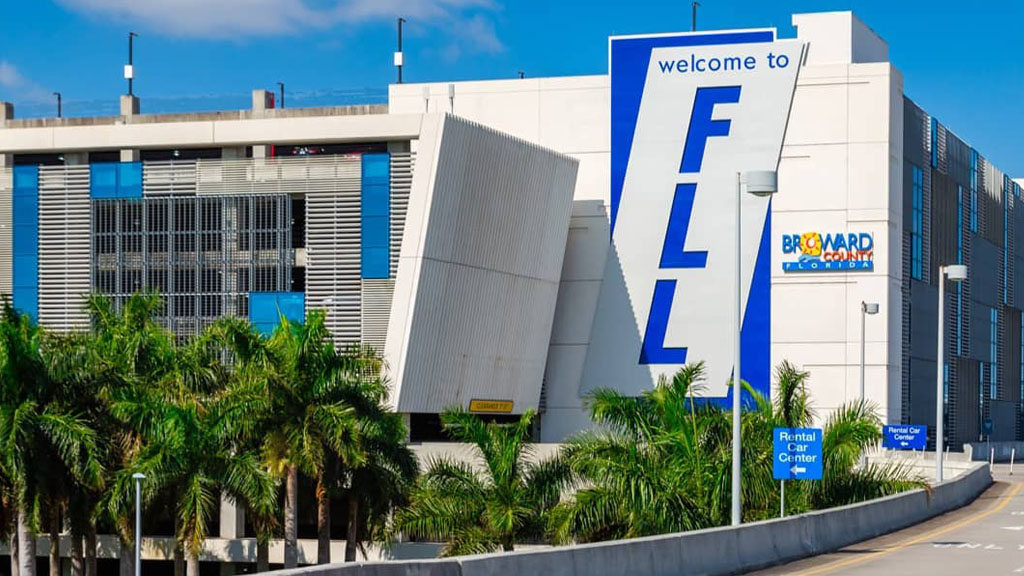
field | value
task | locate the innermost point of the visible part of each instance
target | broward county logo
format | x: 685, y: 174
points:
x: 817, y: 252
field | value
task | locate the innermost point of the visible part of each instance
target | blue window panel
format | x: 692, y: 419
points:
x: 115, y: 180
x: 26, y: 179
x: 25, y: 241
x: 375, y: 263
x: 375, y: 231
x: 266, y: 309
x: 103, y: 180
x: 376, y: 167
x: 129, y: 180
x: 26, y: 210
x: 375, y: 201
x: 375, y: 216
x: 26, y: 271
x: 26, y: 301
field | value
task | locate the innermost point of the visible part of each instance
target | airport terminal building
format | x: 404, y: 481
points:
x: 478, y: 233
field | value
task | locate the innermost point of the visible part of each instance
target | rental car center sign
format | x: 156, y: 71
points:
x: 690, y: 112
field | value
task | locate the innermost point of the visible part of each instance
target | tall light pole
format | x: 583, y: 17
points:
x: 759, y: 183
x: 956, y: 273
x: 129, y: 70
x: 865, y: 309
x: 281, y: 86
x: 60, y: 110
x: 399, y: 56
x: 139, y: 477
x: 693, y: 22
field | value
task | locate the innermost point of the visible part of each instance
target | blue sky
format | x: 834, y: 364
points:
x: 964, y: 64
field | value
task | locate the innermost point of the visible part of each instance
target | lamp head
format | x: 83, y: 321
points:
x: 761, y: 182
x: 956, y: 272
x: 139, y: 476
x: 869, y: 307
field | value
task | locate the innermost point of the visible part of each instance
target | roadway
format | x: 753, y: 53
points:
x: 985, y: 537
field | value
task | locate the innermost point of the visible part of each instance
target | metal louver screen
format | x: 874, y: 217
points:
x: 6, y: 227
x: 203, y: 256
x: 375, y: 312
x: 64, y: 243
x: 402, y: 164
x: 163, y: 178
x: 333, y: 281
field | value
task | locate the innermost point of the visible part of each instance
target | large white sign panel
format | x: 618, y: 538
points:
x: 690, y: 113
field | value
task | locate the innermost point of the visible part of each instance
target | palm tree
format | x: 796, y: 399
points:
x: 653, y: 466
x: 387, y: 469
x: 295, y: 390
x: 662, y: 462
x: 126, y: 349
x: 504, y: 499
x: 66, y: 356
x: 41, y: 434
x: 189, y: 430
x: 8, y: 517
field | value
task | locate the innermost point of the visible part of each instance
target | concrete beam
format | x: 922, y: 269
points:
x: 212, y: 133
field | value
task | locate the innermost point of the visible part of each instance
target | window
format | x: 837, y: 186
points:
x: 935, y: 142
x: 958, y: 330
x: 993, y: 330
x: 1021, y: 364
x: 974, y: 191
x: 981, y: 394
x: 916, y: 224
x: 945, y: 384
x: 1006, y: 240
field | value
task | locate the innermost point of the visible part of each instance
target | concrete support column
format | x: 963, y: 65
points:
x: 232, y: 519
x: 129, y: 106
x: 6, y: 113
x: 262, y: 101
x: 232, y: 525
x: 129, y: 109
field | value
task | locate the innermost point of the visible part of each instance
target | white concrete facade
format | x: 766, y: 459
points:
x: 841, y: 170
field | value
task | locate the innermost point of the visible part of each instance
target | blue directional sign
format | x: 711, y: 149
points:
x: 797, y: 454
x: 908, y: 437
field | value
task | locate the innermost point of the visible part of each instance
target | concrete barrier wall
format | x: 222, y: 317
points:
x: 1001, y: 451
x: 715, y: 551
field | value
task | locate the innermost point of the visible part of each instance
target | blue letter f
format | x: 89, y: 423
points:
x: 702, y: 126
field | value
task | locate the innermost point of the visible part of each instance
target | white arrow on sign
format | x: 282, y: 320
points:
x: 904, y: 443
x: 798, y: 470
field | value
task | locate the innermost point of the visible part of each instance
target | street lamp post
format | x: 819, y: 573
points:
x: 129, y: 70
x: 866, y: 308
x: 138, y: 476
x: 759, y: 183
x: 956, y: 273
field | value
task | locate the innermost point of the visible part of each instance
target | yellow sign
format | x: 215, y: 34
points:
x: 500, y: 406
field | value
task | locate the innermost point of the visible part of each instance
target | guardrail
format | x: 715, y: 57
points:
x: 715, y: 551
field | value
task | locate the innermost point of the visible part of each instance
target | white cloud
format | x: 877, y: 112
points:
x: 467, y: 20
x: 15, y: 86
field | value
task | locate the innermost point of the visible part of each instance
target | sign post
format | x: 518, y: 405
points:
x: 905, y: 437
x: 796, y: 455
